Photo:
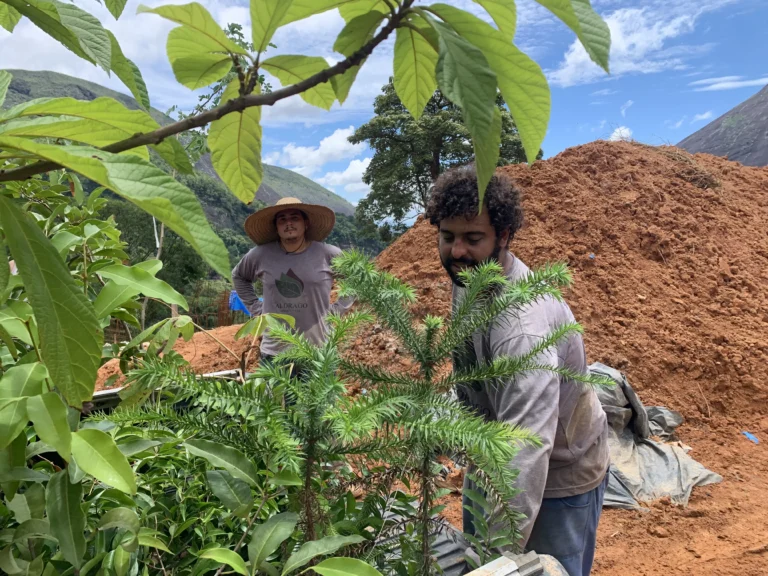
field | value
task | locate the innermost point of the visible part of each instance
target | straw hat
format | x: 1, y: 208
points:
x: 260, y: 226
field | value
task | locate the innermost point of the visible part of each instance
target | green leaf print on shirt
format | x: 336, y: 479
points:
x: 289, y: 285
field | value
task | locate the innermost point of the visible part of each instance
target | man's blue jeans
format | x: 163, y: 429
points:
x: 565, y: 528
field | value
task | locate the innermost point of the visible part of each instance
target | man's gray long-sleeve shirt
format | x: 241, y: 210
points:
x: 298, y: 285
x: 567, y: 416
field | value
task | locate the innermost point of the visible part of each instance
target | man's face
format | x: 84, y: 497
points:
x: 291, y: 225
x: 465, y: 243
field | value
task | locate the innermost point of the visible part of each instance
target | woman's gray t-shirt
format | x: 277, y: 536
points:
x: 298, y: 285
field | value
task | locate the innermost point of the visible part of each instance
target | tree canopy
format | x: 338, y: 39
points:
x: 410, y: 153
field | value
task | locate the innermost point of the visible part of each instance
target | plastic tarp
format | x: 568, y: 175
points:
x: 237, y: 305
x: 642, y: 469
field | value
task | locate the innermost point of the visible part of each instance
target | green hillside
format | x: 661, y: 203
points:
x: 278, y: 182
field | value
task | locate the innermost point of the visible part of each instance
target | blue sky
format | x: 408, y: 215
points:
x: 676, y: 65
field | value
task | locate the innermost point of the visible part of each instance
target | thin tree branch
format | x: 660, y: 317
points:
x: 234, y: 105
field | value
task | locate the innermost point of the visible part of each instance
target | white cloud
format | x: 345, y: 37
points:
x: 640, y: 43
x: 348, y: 182
x: 678, y: 124
x: 701, y: 117
x: 622, y: 133
x: 307, y: 160
x: 713, y: 84
x: 604, y: 92
x: 707, y: 81
x: 600, y: 126
x: 351, y: 178
x: 626, y: 106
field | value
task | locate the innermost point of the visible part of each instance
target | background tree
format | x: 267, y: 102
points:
x: 409, y: 154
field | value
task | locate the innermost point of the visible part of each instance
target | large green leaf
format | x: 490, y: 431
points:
x: 266, y: 18
x: 414, y: 69
x: 34, y: 528
x: 322, y: 547
x: 354, y: 36
x: 12, y: 457
x: 344, y: 567
x: 590, y: 29
x: 285, y: 478
x: 466, y: 79
x: 128, y: 72
x: 233, y: 492
x: 174, y: 153
x: 357, y: 33
x: 235, y: 143
x: 228, y: 557
x: 290, y: 69
x: 141, y: 280
x: 351, y: 10
x: 301, y: 9
x: 107, y: 111
x: 148, y: 539
x: 504, y: 13
x: 197, y: 61
x: 521, y: 81
x: 268, y: 536
x: 10, y: 564
x: 49, y: 416
x: 70, y: 334
x: 137, y: 446
x: 145, y: 185
x: 199, y: 19
x: 5, y: 82
x: 342, y: 83
x: 66, y: 516
x: 114, y: 294
x: 23, y: 380
x: 45, y: 16
x: 258, y: 324
x: 93, y: 38
x: 13, y: 419
x: 121, y: 517
x: 14, y: 326
x: 98, y: 455
x: 231, y: 459
x: 115, y: 7
x: 30, y: 505
x: 9, y: 17
x: 5, y: 268
x: 83, y: 131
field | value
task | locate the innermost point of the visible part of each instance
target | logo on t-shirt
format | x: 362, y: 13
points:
x: 289, y: 285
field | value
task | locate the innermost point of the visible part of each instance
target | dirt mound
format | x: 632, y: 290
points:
x: 203, y: 352
x: 669, y: 254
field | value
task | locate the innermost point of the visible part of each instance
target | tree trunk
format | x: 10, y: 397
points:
x: 424, y: 516
x: 159, y: 244
x: 434, y: 166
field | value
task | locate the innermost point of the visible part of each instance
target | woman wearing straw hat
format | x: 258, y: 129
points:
x: 294, y: 266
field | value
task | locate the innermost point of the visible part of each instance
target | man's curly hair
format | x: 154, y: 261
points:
x: 454, y: 194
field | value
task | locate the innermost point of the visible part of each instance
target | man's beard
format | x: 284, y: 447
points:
x: 449, y: 262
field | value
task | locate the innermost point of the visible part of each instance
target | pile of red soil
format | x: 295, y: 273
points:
x: 669, y: 254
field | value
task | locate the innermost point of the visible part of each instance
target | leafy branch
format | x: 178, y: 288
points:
x: 237, y: 104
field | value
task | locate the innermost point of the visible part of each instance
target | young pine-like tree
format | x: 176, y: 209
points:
x: 294, y: 431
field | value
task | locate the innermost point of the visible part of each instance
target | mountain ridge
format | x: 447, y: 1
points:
x: 741, y: 134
